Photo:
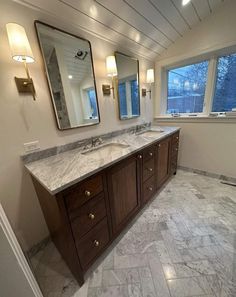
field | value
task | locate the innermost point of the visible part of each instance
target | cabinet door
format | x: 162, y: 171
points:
x: 163, y: 161
x: 124, y: 190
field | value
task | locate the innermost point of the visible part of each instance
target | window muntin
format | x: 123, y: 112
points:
x: 225, y: 88
x: 186, y: 88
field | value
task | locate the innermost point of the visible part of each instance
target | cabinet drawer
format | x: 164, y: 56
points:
x: 148, y: 169
x: 148, y: 153
x: 87, y: 216
x: 148, y: 189
x: 83, y: 192
x: 92, y: 243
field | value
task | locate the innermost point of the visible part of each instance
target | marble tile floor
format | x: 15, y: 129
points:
x: 182, y: 244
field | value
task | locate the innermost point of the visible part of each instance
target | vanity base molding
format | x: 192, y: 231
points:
x: 85, y: 218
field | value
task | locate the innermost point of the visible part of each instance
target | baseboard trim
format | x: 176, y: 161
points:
x: 38, y: 247
x: 210, y: 174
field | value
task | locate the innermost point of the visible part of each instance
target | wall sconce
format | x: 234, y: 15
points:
x: 112, y: 72
x: 149, y: 80
x: 21, y: 52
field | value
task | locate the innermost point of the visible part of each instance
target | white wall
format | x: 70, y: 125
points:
x: 205, y: 145
x: 23, y: 120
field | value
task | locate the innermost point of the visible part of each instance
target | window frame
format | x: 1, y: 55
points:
x: 187, y: 114
x: 212, y: 58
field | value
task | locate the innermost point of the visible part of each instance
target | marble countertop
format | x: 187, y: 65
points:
x: 60, y: 171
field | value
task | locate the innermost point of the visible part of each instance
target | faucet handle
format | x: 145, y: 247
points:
x: 100, y: 140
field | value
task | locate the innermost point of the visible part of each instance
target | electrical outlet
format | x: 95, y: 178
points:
x: 31, y: 146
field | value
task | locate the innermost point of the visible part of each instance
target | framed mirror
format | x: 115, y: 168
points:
x: 128, y: 86
x: 69, y: 67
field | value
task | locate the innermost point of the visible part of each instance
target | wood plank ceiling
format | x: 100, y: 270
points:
x: 143, y: 27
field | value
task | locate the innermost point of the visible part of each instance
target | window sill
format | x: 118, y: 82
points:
x: 196, y: 119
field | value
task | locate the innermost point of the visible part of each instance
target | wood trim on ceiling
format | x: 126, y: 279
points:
x: 105, y: 38
x: 128, y: 23
x: 109, y: 27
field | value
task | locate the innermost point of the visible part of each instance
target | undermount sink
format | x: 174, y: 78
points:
x: 151, y: 133
x: 104, y: 150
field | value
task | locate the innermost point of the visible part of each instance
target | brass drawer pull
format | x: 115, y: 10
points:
x: 159, y: 145
x: 87, y: 193
x: 150, y: 154
x: 176, y: 149
x: 150, y: 188
x: 177, y: 137
x: 150, y: 169
x: 140, y: 156
x: 96, y: 243
x: 91, y: 216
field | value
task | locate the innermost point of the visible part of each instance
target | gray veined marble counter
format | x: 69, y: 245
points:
x: 60, y: 171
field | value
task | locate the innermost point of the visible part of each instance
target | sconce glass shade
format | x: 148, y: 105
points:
x: 150, y: 76
x: 111, y: 66
x: 19, y: 43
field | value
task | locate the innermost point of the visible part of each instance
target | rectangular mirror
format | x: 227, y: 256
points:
x: 69, y: 68
x: 128, y: 86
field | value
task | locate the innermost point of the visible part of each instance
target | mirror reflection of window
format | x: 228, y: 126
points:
x: 70, y: 73
x: 128, y: 86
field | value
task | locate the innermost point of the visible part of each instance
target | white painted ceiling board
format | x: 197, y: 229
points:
x: 111, y: 21
x: 187, y: 12
x: 127, y: 13
x: 214, y: 3
x: 140, y: 27
x: 145, y: 10
x: 169, y: 11
x: 76, y: 19
x: 202, y: 8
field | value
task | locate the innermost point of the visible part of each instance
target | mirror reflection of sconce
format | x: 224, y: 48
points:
x: 21, y: 52
x: 112, y: 72
x: 149, y: 80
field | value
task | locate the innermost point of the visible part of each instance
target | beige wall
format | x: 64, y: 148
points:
x: 23, y: 120
x: 205, y: 145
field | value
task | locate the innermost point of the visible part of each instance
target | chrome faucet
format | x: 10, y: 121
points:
x: 139, y: 128
x: 96, y: 141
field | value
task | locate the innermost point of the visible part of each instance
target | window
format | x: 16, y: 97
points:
x: 225, y: 89
x: 122, y: 98
x: 93, y: 102
x: 134, y: 97
x: 186, y: 88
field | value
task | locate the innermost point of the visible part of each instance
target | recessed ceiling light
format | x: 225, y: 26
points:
x: 185, y: 2
x: 70, y: 76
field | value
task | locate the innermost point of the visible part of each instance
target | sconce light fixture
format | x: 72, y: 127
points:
x: 112, y: 72
x: 21, y: 52
x: 149, y: 80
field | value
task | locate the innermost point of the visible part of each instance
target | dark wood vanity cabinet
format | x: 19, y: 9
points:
x: 163, y: 161
x: 124, y: 191
x: 85, y: 218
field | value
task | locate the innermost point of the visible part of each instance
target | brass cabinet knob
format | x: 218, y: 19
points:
x: 159, y: 145
x: 150, y: 169
x: 176, y: 149
x: 87, y: 193
x: 150, y: 188
x: 150, y: 154
x: 140, y: 156
x: 96, y: 243
x: 177, y: 137
x: 91, y: 216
